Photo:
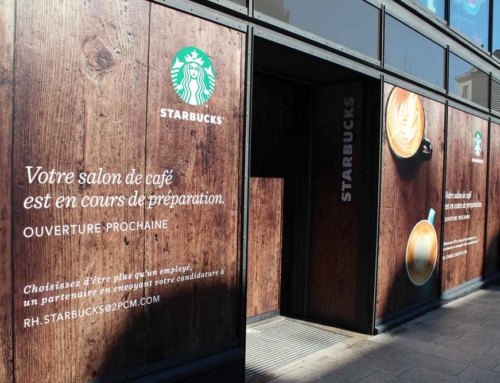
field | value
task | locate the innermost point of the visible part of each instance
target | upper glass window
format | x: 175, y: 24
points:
x: 435, y: 6
x: 412, y: 53
x: 467, y: 81
x: 471, y: 17
x: 352, y: 23
x: 496, y: 29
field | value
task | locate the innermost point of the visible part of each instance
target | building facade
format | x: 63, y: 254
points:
x: 175, y: 170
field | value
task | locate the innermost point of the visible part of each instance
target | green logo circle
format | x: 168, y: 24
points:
x: 193, y: 76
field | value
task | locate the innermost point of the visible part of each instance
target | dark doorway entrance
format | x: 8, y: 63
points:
x: 313, y: 190
x: 279, y: 193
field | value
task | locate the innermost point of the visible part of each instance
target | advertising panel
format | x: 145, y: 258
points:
x: 411, y: 200
x: 6, y: 87
x: 493, y: 235
x: 125, y: 188
x: 465, y: 198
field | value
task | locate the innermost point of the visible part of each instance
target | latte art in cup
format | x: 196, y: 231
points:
x: 405, y: 122
x: 421, y: 252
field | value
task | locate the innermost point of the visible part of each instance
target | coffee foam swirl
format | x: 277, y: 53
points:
x: 405, y: 122
x: 421, y: 252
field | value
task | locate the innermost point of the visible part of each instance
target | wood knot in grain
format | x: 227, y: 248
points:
x: 104, y: 59
x: 99, y: 59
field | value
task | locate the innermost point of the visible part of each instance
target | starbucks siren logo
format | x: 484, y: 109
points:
x: 193, y: 76
x: 478, y: 144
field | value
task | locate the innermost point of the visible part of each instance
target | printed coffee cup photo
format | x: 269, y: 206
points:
x: 405, y: 123
x: 421, y: 250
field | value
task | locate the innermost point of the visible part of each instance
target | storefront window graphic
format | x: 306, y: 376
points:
x: 435, y: 6
x: 471, y: 17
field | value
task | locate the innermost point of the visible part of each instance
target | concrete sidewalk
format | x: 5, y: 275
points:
x: 459, y: 342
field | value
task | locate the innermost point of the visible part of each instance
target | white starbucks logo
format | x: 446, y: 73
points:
x: 193, y: 76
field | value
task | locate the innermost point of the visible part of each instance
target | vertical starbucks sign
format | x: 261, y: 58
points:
x: 193, y: 76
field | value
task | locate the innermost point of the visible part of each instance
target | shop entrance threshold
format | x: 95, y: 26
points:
x: 283, y: 341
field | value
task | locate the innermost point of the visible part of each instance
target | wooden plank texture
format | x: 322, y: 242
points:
x: 80, y: 105
x: 265, y: 234
x: 464, y: 176
x: 410, y: 188
x: 491, y: 262
x: 205, y: 158
x: 7, y: 10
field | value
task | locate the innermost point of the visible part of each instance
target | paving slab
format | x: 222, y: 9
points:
x: 479, y: 375
x: 345, y: 354
x: 419, y: 374
x: 380, y: 377
x: 417, y: 333
x: 299, y: 375
x: 458, y: 313
x: 487, y: 337
x: 480, y: 329
x: 320, y: 379
x: 442, y: 320
x: 347, y: 371
x: 489, y: 308
x: 410, y: 344
x: 494, y: 352
x: 441, y: 330
x: 381, y: 349
x: 461, y: 356
x: 435, y: 364
x: 472, y: 347
x: 492, y: 324
x: 382, y: 364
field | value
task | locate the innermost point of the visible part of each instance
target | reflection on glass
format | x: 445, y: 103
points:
x: 468, y: 82
x: 496, y: 29
x: 352, y: 23
x: 471, y: 17
x: 435, y: 6
x: 409, y: 51
x: 240, y: 2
